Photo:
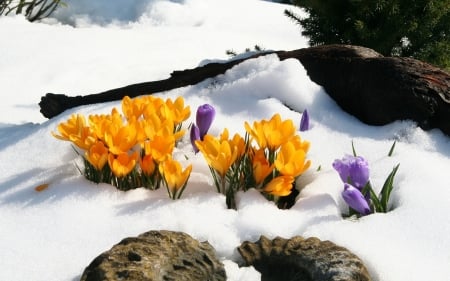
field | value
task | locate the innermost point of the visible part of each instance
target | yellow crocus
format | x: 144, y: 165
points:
x: 154, y: 125
x: 174, y: 177
x: 140, y: 126
x: 219, y: 154
x: 76, y: 131
x: 161, y: 146
x: 261, y: 166
x: 72, y: 126
x: 271, y: 133
x: 280, y: 186
x: 134, y: 108
x: 122, y: 164
x: 299, y: 143
x: 147, y: 165
x: 257, y: 133
x: 291, y: 161
x: 97, y: 155
x: 237, y: 142
x: 176, y: 110
x: 153, y: 106
x: 120, y: 138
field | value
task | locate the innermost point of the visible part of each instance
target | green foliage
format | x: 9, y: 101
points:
x: 33, y: 10
x: 413, y: 28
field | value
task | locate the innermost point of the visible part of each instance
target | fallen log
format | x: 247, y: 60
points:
x: 54, y: 104
x: 375, y: 89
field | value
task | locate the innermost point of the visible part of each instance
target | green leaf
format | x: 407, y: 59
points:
x: 391, y: 151
x: 353, y: 149
x: 375, y: 202
x: 387, y: 188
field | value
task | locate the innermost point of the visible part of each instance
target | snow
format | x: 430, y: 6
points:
x: 88, y: 48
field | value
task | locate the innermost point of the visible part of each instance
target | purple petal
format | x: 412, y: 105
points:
x: 304, y: 122
x: 354, y: 170
x: 204, y: 118
x: 195, y: 135
x: 342, y: 168
x: 355, y: 199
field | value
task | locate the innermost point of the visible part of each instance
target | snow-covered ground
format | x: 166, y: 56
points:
x: 87, y: 48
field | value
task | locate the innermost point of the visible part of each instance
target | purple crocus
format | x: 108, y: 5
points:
x: 195, y: 135
x: 353, y: 169
x: 355, y: 199
x: 204, y: 118
x: 304, y: 122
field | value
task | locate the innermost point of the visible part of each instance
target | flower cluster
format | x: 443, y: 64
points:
x: 132, y: 149
x: 269, y: 158
x: 358, y: 192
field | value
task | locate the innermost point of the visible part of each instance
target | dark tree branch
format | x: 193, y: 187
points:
x: 54, y: 104
x: 375, y: 89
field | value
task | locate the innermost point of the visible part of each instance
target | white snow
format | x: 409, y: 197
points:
x: 90, y: 47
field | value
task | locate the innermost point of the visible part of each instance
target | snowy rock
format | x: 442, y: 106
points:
x: 303, y: 259
x: 157, y: 255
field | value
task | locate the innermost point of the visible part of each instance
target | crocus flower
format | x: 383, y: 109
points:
x: 291, y: 161
x: 175, y: 178
x: 261, y: 166
x: 72, y: 126
x: 122, y: 164
x: 355, y: 199
x: 280, y: 186
x: 204, y: 118
x: 176, y: 110
x: 219, y: 154
x: 161, y: 146
x: 76, y: 131
x: 195, y: 135
x: 97, y: 155
x: 120, y: 138
x: 271, y: 133
x: 133, y: 108
x: 147, y: 165
x: 304, y: 122
x: 353, y: 169
x: 237, y: 142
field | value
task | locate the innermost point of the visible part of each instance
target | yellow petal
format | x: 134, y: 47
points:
x: 41, y: 187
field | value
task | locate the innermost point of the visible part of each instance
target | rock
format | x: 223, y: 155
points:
x: 154, y: 256
x: 379, y: 90
x: 299, y: 259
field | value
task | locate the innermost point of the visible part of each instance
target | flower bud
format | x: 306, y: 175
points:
x: 355, y: 199
x: 204, y: 118
x: 304, y: 122
x: 195, y: 135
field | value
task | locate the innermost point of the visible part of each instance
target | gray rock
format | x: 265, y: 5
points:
x: 299, y: 259
x: 157, y: 255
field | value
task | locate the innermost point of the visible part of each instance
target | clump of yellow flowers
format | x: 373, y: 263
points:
x: 132, y: 149
x: 269, y: 158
